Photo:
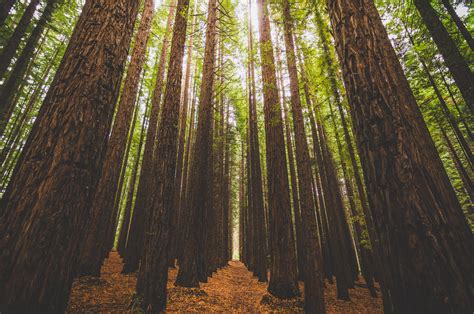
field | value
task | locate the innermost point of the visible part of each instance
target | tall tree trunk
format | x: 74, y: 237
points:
x: 11, y: 85
x: 122, y: 241
x: 336, y: 217
x: 187, y: 158
x: 455, y: 62
x: 283, y: 271
x: 153, y: 273
x: 313, y: 281
x: 191, y: 266
x: 426, y: 242
x: 179, y: 181
x: 294, y: 185
x: 256, y: 170
x: 5, y: 7
x: 45, y: 208
x: 142, y: 202
x: 103, y: 204
x: 8, y: 52
x: 461, y: 27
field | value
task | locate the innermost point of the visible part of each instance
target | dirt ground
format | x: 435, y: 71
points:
x: 232, y: 289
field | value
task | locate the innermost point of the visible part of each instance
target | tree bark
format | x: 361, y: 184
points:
x: 179, y: 181
x: 153, y: 273
x: 144, y: 192
x: 283, y: 271
x: 256, y: 170
x: 192, y: 266
x: 427, y: 247
x: 103, y: 204
x: 313, y: 281
x: 45, y: 208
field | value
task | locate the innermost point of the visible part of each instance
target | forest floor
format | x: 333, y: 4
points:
x: 231, y: 289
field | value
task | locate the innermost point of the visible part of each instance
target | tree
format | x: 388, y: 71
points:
x: 103, y: 214
x: 457, y: 65
x: 192, y: 265
x: 45, y: 208
x: 425, y: 241
x: 144, y: 191
x: 153, y: 273
x: 313, y: 281
x: 257, y: 205
x: 283, y: 274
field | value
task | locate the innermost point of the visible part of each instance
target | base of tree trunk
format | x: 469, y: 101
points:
x: 283, y: 289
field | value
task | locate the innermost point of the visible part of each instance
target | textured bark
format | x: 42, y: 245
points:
x: 179, y: 181
x: 460, y: 25
x: 153, y: 273
x: 332, y: 89
x: 11, y: 86
x: 103, y: 205
x: 426, y: 242
x: 455, y: 62
x: 313, y: 281
x: 45, y: 207
x: 283, y: 271
x: 8, y: 52
x: 192, y: 265
x: 144, y: 192
x: 256, y: 170
x: 5, y: 7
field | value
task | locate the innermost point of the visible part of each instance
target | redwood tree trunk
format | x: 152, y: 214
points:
x: 283, y: 271
x: 313, y: 280
x: 144, y: 192
x: 153, y: 273
x: 179, y: 181
x: 427, y: 247
x: 192, y: 265
x: 256, y: 170
x: 45, y: 208
x: 103, y: 204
